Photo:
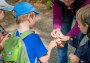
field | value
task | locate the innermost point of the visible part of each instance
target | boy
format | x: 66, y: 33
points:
x: 82, y: 53
x: 3, y: 34
x: 4, y: 6
x: 25, y: 15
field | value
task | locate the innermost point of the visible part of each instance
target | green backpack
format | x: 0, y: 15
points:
x: 14, y: 49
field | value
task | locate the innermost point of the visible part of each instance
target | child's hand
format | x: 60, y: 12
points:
x: 59, y: 43
x: 2, y: 42
x: 4, y: 39
x: 53, y: 44
x: 73, y: 58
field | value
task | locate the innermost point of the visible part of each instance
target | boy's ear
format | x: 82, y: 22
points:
x: 29, y: 18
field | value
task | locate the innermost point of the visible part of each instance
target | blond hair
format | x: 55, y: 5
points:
x: 23, y: 18
x: 83, y: 13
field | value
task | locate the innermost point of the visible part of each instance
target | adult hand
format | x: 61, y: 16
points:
x: 56, y: 33
x: 65, y: 38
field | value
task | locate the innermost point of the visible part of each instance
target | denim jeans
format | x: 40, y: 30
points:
x: 66, y: 27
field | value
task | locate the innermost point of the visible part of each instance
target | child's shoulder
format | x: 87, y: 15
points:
x: 33, y: 35
x: 34, y: 38
x: 30, y: 35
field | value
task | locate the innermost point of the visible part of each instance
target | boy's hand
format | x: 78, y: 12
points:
x: 60, y: 43
x: 2, y: 42
x: 73, y: 58
x: 53, y: 44
x: 4, y: 39
x: 63, y: 41
x: 57, y: 43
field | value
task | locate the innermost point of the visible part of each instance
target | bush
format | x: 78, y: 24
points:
x: 49, y: 4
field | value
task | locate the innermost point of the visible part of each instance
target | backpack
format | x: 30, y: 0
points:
x: 14, y: 49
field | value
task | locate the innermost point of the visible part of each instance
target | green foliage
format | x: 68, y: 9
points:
x: 49, y: 4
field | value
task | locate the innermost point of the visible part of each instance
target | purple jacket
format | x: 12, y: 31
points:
x: 58, y: 18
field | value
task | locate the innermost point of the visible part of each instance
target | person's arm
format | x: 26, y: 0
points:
x: 4, y: 39
x: 45, y: 58
x: 57, y: 15
x: 57, y: 18
x: 2, y: 42
x: 40, y: 50
x: 74, y: 31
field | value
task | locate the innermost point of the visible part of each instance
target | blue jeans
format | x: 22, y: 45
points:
x: 66, y: 27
